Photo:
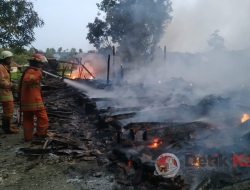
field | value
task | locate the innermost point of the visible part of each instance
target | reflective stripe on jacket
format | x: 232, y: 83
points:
x: 31, y: 99
x: 5, y: 85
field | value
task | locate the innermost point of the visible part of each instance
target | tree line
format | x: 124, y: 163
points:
x: 133, y: 27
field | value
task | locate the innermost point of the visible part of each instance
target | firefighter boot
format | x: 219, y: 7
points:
x: 7, y: 128
x: 5, y: 125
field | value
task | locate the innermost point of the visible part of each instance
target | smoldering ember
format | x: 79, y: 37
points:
x: 131, y: 114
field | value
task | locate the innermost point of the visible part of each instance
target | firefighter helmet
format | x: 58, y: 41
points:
x: 6, y: 54
x: 39, y: 58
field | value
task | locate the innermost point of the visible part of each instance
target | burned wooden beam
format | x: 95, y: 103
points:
x: 59, y: 112
x: 108, y: 119
x: 59, y: 116
x: 122, y: 109
x: 101, y: 99
x: 88, y: 71
x: 35, y: 151
x: 145, y: 125
x: 168, y: 126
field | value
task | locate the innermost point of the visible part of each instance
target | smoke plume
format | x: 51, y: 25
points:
x: 194, y: 21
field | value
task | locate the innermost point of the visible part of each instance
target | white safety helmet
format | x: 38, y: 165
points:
x: 6, y: 54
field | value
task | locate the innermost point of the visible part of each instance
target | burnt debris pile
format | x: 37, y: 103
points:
x: 126, y: 134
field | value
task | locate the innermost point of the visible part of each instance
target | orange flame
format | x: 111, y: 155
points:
x: 197, y: 162
x: 81, y: 73
x: 156, y: 143
x: 245, y: 117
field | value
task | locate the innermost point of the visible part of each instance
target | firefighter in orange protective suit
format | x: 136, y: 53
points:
x: 31, y: 99
x: 6, y: 96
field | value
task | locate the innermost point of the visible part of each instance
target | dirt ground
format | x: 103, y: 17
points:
x: 18, y: 172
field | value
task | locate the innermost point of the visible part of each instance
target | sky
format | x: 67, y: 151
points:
x: 65, y: 23
x: 193, y: 22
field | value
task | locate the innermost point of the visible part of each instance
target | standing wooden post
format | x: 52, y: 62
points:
x: 165, y: 54
x: 122, y: 73
x: 108, y: 69
x: 113, y: 57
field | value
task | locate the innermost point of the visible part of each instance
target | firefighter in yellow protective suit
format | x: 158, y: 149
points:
x: 31, y: 99
x: 6, y: 96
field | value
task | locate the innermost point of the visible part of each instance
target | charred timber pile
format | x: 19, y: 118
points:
x: 132, y: 140
x: 140, y: 141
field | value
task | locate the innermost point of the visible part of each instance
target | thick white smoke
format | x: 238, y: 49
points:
x: 194, y: 20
